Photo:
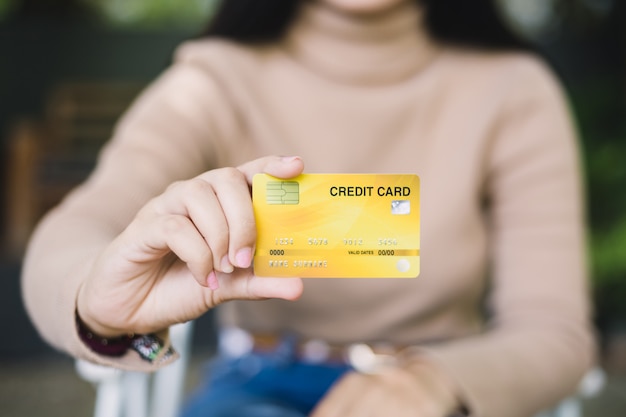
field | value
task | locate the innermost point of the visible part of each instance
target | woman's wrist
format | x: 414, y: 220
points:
x: 90, y: 320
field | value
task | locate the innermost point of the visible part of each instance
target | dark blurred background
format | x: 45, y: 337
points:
x: 69, y: 68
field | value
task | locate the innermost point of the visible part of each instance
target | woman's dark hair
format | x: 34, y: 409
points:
x: 474, y: 23
x: 463, y: 22
x: 253, y: 21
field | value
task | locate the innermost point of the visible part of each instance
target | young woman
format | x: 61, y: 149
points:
x: 496, y: 324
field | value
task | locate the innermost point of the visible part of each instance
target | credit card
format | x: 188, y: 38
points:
x: 337, y: 226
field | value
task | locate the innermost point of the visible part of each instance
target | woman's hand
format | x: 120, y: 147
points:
x: 186, y: 251
x: 421, y: 391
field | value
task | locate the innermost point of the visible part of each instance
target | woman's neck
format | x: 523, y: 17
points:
x: 371, y: 48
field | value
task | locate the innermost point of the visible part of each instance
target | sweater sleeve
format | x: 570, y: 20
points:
x: 167, y: 135
x: 538, y: 342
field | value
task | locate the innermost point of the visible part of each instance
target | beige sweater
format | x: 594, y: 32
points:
x: 501, y: 303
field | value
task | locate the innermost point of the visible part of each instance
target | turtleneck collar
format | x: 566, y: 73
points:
x: 361, y: 49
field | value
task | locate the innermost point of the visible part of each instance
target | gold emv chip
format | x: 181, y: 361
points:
x: 282, y: 192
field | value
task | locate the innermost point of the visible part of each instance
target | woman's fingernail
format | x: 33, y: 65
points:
x: 212, y: 281
x: 289, y: 158
x: 226, y: 266
x: 244, y: 257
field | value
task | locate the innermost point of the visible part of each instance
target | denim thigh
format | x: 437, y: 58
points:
x: 261, y: 385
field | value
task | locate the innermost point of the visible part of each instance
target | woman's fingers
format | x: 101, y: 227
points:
x: 169, y: 233
x: 278, y: 166
x: 208, y: 223
x: 204, y: 210
x: 218, y: 204
x: 243, y: 285
x: 234, y: 198
x: 393, y: 391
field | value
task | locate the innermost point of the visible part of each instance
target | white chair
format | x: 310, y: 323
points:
x: 136, y: 394
x: 591, y: 385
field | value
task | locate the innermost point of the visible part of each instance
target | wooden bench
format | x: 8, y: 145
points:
x: 50, y: 156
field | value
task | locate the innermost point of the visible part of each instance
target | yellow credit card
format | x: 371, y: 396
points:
x: 337, y: 226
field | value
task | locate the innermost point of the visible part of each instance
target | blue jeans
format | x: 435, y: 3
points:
x: 262, y: 385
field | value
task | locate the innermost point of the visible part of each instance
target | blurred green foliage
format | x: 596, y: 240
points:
x: 5, y: 6
x: 154, y: 13
x: 599, y: 107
